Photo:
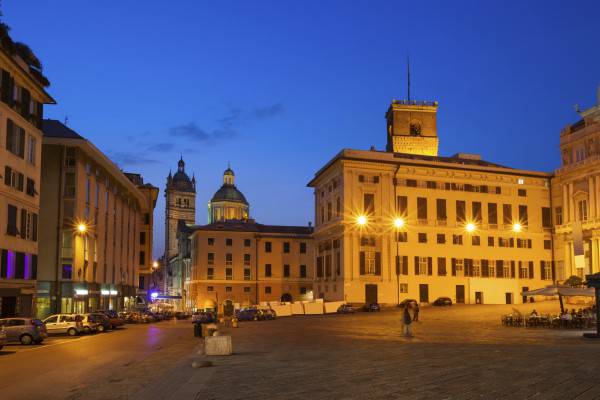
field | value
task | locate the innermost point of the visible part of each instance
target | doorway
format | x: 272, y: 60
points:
x: 478, y: 297
x: 525, y: 289
x: 228, y: 308
x: 286, y: 298
x: 370, y: 294
x: 9, y: 307
x: 509, y: 298
x: 424, y: 293
x: 460, y: 293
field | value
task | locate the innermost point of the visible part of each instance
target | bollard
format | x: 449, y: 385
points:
x: 234, y: 323
x: 197, y: 330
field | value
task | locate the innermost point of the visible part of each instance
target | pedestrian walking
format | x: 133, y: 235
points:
x: 416, y: 312
x: 407, y: 320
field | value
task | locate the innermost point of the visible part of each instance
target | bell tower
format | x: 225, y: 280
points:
x: 412, y: 127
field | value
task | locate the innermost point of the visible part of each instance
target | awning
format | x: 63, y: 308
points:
x: 555, y: 290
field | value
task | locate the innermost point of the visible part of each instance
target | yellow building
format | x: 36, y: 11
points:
x: 576, y: 197
x: 90, y: 224
x: 240, y: 263
x: 407, y: 223
x: 22, y: 96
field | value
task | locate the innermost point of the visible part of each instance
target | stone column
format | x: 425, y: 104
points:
x: 594, y: 252
x: 572, y: 215
x: 597, y: 194
x: 565, y: 211
x: 567, y: 262
x: 592, y: 198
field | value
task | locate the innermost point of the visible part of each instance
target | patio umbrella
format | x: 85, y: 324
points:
x: 559, y: 290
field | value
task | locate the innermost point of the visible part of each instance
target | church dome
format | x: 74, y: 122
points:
x: 228, y: 203
x: 229, y: 193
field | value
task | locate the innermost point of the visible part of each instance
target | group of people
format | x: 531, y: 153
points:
x: 408, y: 319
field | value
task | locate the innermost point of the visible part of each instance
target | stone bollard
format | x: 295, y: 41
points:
x: 218, y: 346
x: 234, y: 323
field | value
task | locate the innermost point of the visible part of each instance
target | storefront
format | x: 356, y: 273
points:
x: 17, y: 301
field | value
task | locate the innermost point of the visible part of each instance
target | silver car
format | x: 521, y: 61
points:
x: 64, y: 323
x: 2, y: 339
x: 24, y: 330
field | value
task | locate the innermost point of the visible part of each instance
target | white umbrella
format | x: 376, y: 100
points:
x: 553, y: 290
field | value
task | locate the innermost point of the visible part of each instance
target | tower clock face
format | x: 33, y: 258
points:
x: 415, y: 129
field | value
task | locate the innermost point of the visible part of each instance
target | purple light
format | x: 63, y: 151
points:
x: 27, y: 266
x: 11, y: 265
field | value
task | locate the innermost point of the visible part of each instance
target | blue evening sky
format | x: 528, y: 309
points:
x: 279, y: 87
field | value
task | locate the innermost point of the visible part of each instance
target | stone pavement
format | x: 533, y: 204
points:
x: 460, y: 352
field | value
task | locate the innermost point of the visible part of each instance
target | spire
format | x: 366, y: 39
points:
x: 181, y: 165
x: 408, y: 76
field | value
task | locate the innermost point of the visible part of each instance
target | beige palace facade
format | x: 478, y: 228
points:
x: 407, y: 223
x: 22, y: 97
x: 91, y: 219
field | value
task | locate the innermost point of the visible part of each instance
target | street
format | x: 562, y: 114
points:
x: 460, y: 352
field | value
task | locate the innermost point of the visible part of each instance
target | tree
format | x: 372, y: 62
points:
x: 573, y: 281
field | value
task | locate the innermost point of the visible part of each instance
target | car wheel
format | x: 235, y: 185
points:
x: 26, y: 340
x: 100, y: 328
x: 87, y: 330
x: 72, y: 332
x: 255, y: 318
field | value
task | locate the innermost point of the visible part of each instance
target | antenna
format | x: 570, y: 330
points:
x: 408, y: 75
x: 66, y: 119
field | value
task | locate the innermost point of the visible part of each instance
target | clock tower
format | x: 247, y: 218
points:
x: 412, y: 127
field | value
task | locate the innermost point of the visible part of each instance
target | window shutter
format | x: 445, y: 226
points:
x: 7, y: 174
x: 21, y: 143
x: 485, y: 269
x: 23, y: 223
x: 362, y: 262
x: 512, y: 242
x: 34, y: 223
x: 5, y: 86
x: 377, y: 263
x: 39, y: 114
x: 397, y: 265
x: 25, y: 99
x: 34, y: 262
x: 9, y: 134
x: 467, y: 265
x: 530, y: 269
x: 454, y: 267
x: 4, y: 264
x: 512, y: 269
x: 441, y: 262
x: 429, y: 266
x: 542, y: 273
x: 20, y: 182
x: 405, y: 265
x: 11, y: 90
x: 499, y: 268
x: 416, y: 265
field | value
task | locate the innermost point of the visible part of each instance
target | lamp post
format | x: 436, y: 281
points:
x: 398, y: 224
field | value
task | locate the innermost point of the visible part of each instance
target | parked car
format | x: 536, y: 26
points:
x: 203, y: 317
x: 442, y: 301
x: 182, y: 315
x: 372, y: 307
x: 407, y: 302
x: 345, y: 309
x: 102, y: 320
x: 2, y: 339
x: 113, y: 317
x: 247, y: 314
x: 23, y: 330
x: 266, y: 314
x: 64, y: 323
x: 90, y: 325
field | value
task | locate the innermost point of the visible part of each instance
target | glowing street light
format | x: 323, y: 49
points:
x: 399, y: 222
x: 470, y: 227
x: 155, y: 264
x: 361, y: 220
x: 81, y: 228
x: 517, y: 227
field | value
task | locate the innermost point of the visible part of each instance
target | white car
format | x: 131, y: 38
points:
x: 64, y: 323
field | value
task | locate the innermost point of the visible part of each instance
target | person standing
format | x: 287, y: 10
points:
x: 407, y: 320
x: 416, y: 312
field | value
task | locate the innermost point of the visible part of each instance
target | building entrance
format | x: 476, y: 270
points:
x: 424, y: 293
x: 370, y: 294
x: 9, y: 307
x: 460, y: 293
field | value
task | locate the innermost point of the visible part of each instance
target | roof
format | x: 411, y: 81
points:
x: 252, y: 226
x: 229, y: 192
x: 453, y: 162
x: 55, y: 128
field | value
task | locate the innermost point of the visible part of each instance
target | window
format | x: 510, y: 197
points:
x: 422, y: 208
x: 146, y: 215
x: 228, y: 242
x: 31, y: 149
x: 506, y: 269
x: 493, y: 214
x: 228, y: 274
x: 246, y: 242
x: 228, y: 259
x: 522, y: 192
x: 422, y: 265
x: 491, y: 268
x: 475, y: 240
x: 458, y: 267
x: 11, y: 222
x: 523, y: 270
x: 546, y: 270
x: 338, y: 207
x: 142, y: 237
x: 67, y: 271
x: 523, y: 219
x: 246, y: 289
x: 402, y: 205
x: 211, y: 258
x: 411, y: 183
x: 441, y: 209
x: 476, y: 211
x: 210, y: 289
x: 547, y: 245
x: 267, y: 289
x: 142, y: 258
x: 422, y: 238
x: 460, y: 211
x: 210, y: 273
x: 247, y: 274
x: 267, y: 270
x: 228, y: 288
x: 546, y: 218
x: 141, y: 282
x: 441, y: 263
x: 582, y: 209
x: 507, y: 214
x: 441, y: 238
x: 286, y: 247
x: 302, y: 248
x: 457, y: 239
x: 211, y: 241
x: 431, y: 185
x: 558, y: 215
x: 286, y: 271
x: 267, y: 247
x: 491, y: 241
x: 369, y: 203
x: 369, y: 262
x: 402, y: 236
x: 329, y: 211
x: 303, y: 271
x: 70, y: 157
x: 246, y: 259
x: 404, y: 288
x: 15, y: 139
x: 30, y: 188
x: 476, y: 268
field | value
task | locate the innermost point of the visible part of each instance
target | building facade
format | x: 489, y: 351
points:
x: 239, y: 263
x: 90, y: 224
x: 407, y: 223
x: 576, y: 197
x: 180, y: 200
x: 22, y: 97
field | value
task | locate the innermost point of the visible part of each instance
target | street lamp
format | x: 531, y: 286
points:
x: 81, y: 228
x: 362, y: 220
x: 517, y: 227
x: 470, y: 227
x: 155, y: 264
x: 399, y: 223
